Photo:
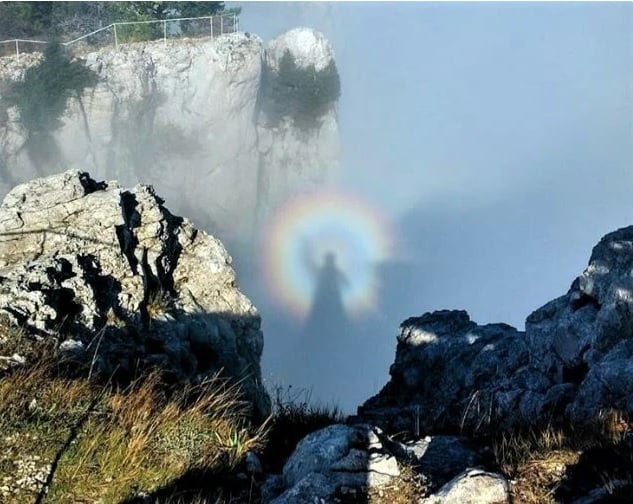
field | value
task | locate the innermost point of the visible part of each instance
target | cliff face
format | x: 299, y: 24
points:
x: 572, y: 364
x: 188, y: 118
x: 122, y: 284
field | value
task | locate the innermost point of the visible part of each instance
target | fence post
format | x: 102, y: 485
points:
x: 164, y: 32
x: 211, y: 23
x: 221, y: 25
x: 235, y: 23
x: 116, y: 40
x: 17, y: 50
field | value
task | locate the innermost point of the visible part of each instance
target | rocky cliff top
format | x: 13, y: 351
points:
x: 572, y: 364
x: 307, y: 46
x: 185, y: 116
x: 83, y: 261
x: 116, y: 283
x: 554, y: 403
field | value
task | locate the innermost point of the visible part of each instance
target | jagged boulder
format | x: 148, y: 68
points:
x: 120, y: 282
x: 343, y: 463
x: 473, y: 486
x: 586, y: 336
x: 446, y: 369
x: 440, y: 458
x: 185, y: 116
x: 573, y: 362
x: 336, y: 460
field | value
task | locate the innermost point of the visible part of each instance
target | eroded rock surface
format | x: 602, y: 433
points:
x: 335, y: 460
x: 473, y: 486
x: 573, y: 362
x: 186, y: 116
x: 120, y: 282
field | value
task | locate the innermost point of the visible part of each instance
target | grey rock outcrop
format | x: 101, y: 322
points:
x: 473, y: 486
x: 343, y: 462
x: 186, y: 116
x: 120, y: 282
x: 336, y: 460
x: 446, y: 369
x: 440, y: 458
x: 586, y: 336
x: 573, y: 362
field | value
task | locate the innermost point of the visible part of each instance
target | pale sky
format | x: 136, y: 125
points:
x: 498, y: 138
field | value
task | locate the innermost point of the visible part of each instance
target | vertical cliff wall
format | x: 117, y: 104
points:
x: 191, y: 117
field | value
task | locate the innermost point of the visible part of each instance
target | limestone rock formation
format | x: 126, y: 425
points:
x: 186, y: 116
x: 121, y: 283
x: 334, y: 460
x: 298, y: 160
x: 342, y: 461
x: 308, y: 47
x: 473, y: 486
x: 586, y: 336
x: 573, y: 362
x: 445, y: 363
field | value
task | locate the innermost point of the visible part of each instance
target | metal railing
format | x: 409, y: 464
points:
x: 136, y: 31
x: 14, y: 45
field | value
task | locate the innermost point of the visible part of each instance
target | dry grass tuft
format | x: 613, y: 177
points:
x: 159, y: 305
x: 114, y: 444
x: 294, y: 417
x: 538, y: 461
x: 405, y: 489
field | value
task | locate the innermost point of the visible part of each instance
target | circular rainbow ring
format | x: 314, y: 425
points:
x: 308, y: 227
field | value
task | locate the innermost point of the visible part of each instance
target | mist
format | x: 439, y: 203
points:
x: 486, y: 147
x: 497, y: 139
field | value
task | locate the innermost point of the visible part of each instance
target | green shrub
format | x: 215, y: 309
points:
x: 42, y: 96
x: 303, y: 94
x: 127, y: 33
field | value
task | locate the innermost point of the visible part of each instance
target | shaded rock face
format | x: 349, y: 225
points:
x: 342, y: 463
x: 586, y: 336
x: 473, y: 486
x: 186, y: 117
x: 124, y: 284
x: 573, y: 362
x: 334, y: 460
x: 442, y: 360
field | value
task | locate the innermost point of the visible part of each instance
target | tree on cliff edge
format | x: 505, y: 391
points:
x: 42, y: 96
x: 67, y: 20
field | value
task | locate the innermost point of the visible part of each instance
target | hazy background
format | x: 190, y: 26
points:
x: 496, y: 137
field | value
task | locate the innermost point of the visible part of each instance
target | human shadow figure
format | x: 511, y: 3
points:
x: 326, y: 340
x: 327, y: 311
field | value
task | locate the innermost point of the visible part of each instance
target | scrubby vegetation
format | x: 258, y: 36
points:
x: 294, y: 417
x: 42, y: 96
x: 77, y: 440
x: 302, y: 93
x: 68, y: 20
x: 405, y: 489
x: 559, y: 464
x: 70, y: 437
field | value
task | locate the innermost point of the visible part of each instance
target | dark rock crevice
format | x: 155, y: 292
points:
x: 126, y: 286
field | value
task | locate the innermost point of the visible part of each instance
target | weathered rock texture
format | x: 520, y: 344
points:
x: 473, y: 486
x: 187, y: 117
x: 573, y: 362
x: 120, y: 282
x: 334, y: 460
x: 342, y: 463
